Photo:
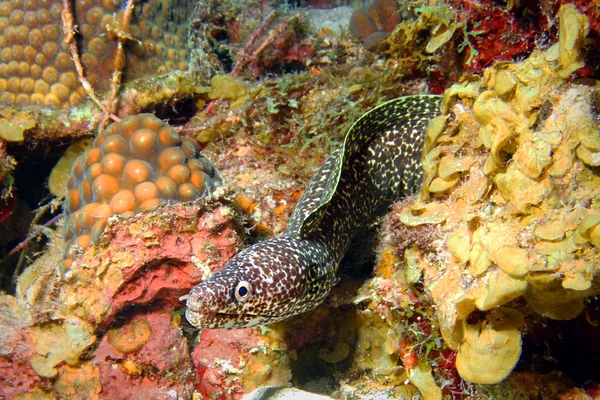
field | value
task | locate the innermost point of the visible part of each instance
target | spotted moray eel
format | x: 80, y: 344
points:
x: 378, y: 163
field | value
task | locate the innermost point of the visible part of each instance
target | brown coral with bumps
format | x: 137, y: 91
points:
x: 134, y: 165
x: 373, y: 23
x: 36, y: 66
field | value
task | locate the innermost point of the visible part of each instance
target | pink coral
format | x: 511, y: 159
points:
x: 150, y: 258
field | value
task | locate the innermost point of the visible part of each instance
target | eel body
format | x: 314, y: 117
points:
x: 378, y: 163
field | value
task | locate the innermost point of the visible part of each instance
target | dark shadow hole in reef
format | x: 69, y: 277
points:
x: 310, y: 339
x: 217, y: 45
x: 176, y: 112
x: 359, y: 260
x: 34, y: 164
x: 571, y: 347
x: 283, y: 68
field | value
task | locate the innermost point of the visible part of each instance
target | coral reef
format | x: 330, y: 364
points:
x: 134, y: 165
x: 274, y: 41
x: 497, y: 262
x: 493, y: 33
x: 445, y: 39
x: 145, y: 262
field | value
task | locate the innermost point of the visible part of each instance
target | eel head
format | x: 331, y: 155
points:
x: 265, y: 283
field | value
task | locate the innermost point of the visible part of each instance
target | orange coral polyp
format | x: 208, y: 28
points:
x: 187, y: 192
x: 136, y: 171
x: 146, y: 191
x: 113, y: 164
x: 94, y: 171
x: 170, y: 157
x: 85, y: 191
x: 166, y: 186
x: 180, y: 173
x: 127, y: 126
x: 168, y: 137
x: 123, y: 201
x: 104, y: 187
x: 92, y: 156
x: 149, y: 205
x: 198, y: 179
x: 144, y: 143
x: 115, y: 144
x: 73, y: 201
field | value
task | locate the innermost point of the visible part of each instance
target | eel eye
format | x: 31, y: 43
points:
x: 242, y: 291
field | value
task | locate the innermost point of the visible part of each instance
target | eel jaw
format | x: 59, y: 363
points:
x: 209, y: 320
x: 217, y: 320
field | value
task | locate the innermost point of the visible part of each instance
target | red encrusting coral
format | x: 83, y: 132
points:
x: 150, y: 258
x: 169, y: 270
x: 152, y: 365
x: 217, y: 351
x: 502, y: 38
x: 492, y: 33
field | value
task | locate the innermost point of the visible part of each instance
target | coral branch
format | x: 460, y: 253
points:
x: 246, y: 52
x: 122, y: 36
x: 69, y: 30
x: 247, y: 56
x: 33, y: 233
x: 276, y: 32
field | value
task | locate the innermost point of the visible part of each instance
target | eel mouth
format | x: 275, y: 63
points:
x: 214, y: 319
x: 215, y: 314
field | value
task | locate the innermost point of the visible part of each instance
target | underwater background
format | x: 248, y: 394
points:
x: 144, y: 143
